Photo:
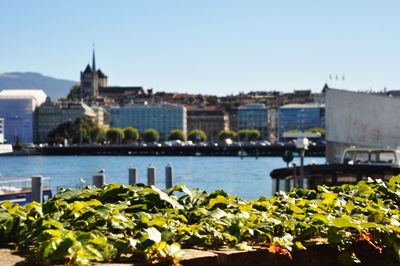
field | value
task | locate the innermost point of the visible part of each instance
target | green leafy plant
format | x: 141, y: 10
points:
x: 144, y: 224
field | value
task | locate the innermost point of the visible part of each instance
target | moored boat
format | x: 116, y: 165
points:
x: 19, y: 189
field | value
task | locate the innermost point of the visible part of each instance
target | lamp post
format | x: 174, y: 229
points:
x: 302, y: 145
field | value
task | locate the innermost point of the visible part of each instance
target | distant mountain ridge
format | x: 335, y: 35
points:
x: 55, y: 88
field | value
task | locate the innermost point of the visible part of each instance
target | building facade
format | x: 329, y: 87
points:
x: 273, y: 124
x: 210, y: 121
x: 301, y: 117
x: 254, y: 116
x: 51, y: 113
x: 162, y: 117
x: 18, y: 108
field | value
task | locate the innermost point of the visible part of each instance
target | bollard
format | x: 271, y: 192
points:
x: 295, y: 180
x: 169, y: 176
x: 37, y: 188
x: 133, y: 176
x: 99, y: 180
x: 151, y: 175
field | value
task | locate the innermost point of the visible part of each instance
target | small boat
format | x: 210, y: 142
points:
x: 19, y: 189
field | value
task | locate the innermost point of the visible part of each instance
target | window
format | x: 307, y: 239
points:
x: 387, y: 157
x: 361, y: 157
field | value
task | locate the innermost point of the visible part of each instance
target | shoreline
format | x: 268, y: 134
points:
x: 134, y: 150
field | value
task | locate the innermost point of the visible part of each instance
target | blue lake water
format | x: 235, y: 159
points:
x: 248, y: 178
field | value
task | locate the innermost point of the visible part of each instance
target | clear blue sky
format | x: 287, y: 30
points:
x: 210, y: 46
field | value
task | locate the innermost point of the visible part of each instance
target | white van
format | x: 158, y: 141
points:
x: 372, y: 156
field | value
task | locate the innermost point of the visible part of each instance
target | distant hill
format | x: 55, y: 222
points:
x: 55, y: 88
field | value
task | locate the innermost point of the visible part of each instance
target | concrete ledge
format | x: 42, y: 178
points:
x: 314, y: 255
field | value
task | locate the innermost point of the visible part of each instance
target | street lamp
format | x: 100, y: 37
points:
x: 302, y: 145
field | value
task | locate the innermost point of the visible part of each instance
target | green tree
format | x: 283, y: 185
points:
x: 294, y: 131
x: 115, y: 135
x: 254, y: 134
x: 131, y: 135
x: 98, y: 135
x: 151, y: 135
x: 243, y: 134
x: 177, y: 134
x: 226, y: 134
x: 66, y: 130
x: 317, y: 130
x: 196, y: 135
x: 73, y: 92
x: 212, y: 100
x: 249, y: 134
x: 82, y: 130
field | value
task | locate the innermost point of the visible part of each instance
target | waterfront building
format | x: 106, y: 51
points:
x: 162, y: 117
x: 99, y: 112
x: 51, y: 113
x: 273, y: 124
x: 300, y: 117
x: 210, y: 121
x: 18, y: 107
x: 254, y: 116
x: 233, y: 119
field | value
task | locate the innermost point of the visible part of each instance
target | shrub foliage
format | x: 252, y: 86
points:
x: 144, y: 223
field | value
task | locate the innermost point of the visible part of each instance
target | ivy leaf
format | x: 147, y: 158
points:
x: 218, y: 200
x: 153, y: 234
x: 320, y: 217
x: 394, y: 180
x: 164, y: 196
x: 349, y: 206
x: 344, y: 223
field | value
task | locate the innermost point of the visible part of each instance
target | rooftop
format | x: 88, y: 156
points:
x: 306, y: 105
x: 38, y: 95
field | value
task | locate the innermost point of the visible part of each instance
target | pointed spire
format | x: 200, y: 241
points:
x: 94, y: 61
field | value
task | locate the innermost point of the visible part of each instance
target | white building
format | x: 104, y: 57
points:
x: 17, y: 107
x: 360, y: 119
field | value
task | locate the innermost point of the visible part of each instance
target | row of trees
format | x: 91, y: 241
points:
x: 84, y: 130
x: 312, y: 130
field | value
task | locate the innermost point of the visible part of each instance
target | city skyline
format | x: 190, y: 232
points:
x: 208, y: 47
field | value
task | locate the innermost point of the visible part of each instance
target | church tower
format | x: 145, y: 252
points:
x: 92, y: 80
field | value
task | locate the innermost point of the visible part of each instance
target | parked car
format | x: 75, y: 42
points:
x: 372, y: 156
x: 201, y: 144
x: 167, y: 144
x: 189, y: 143
x: 212, y: 144
x: 154, y: 144
x: 320, y: 142
x: 177, y: 143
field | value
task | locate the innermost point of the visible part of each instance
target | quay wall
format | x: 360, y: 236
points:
x: 273, y: 150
